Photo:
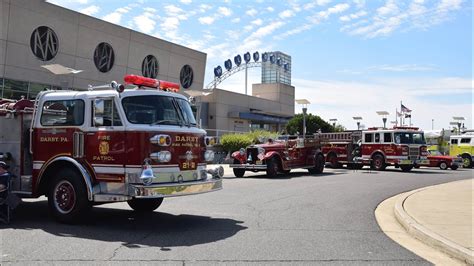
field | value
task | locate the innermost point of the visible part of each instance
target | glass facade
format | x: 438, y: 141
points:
x: 274, y: 73
x: 16, y: 89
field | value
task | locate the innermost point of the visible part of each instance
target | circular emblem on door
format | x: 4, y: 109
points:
x: 44, y: 43
x: 150, y: 66
x: 104, y: 57
x: 186, y: 76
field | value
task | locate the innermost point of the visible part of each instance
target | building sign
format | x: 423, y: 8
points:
x: 44, y: 43
x: 104, y: 57
x: 186, y: 76
x: 150, y: 66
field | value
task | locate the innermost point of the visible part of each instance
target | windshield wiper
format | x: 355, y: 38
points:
x: 159, y: 122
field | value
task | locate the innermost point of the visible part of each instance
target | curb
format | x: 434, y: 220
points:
x: 427, y: 236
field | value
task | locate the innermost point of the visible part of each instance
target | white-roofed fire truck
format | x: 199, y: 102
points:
x: 106, y: 144
x: 402, y: 147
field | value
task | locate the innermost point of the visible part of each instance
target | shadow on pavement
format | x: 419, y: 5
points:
x: 262, y: 175
x: 133, y: 229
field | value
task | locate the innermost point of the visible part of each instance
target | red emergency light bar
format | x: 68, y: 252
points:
x: 152, y: 83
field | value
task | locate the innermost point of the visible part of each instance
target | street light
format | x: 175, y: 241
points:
x: 357, y: 119
x: 333, y: 120
x: 384, y: 115
x: 304, y: 103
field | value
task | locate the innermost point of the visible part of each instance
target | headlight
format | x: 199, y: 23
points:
x: 261, y: 150
x: 209, y: 156
x: 209, y: 141
x: 162, y: 156
x: 242, y: 151
x: 162, y: 140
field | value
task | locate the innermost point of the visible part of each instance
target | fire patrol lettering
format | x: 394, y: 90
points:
x: 186, y: 139
x: 103, y: 158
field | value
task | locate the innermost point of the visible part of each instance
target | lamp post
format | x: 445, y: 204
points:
x: 357, y: 119
x: 333, y: 120
x: 304, y: 103
x: 384, y: 115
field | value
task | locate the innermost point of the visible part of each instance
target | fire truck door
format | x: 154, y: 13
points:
x: 105, y: 142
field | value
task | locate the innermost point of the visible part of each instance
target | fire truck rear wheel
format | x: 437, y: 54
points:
x: 67, y: 197
x: 406, y: 168
x: 318, y: 165
x: 443, y: 165
x: 332, y: 158
x: 467, y: 161
x: 238, y: 172
x: 272, y: 167
x: 378, y: 162
x: 145, y: 205
x: 454, y: 167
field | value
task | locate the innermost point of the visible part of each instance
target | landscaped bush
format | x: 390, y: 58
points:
x: 233, y: 142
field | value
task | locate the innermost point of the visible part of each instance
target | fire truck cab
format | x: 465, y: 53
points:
x: 402, y: 147
x: 106, y: 144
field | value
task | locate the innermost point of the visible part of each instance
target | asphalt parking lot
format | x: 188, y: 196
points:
x: 294, y: 219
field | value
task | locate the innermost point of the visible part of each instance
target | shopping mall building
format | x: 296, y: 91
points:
x: 43, y: 46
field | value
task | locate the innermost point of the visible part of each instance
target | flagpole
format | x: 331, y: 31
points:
x: 396, y: 117
x: 402, y: 120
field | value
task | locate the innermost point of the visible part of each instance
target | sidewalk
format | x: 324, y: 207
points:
x: 441, y: 216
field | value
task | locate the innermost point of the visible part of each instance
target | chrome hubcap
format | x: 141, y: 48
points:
x: 64, y: 197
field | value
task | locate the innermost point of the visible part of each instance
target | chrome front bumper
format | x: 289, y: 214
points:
x: 174, y: 190
x: 249, y: 166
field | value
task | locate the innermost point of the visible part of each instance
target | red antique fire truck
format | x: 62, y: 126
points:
x: 402, y: 147
x: 280, y: 156
x: 106, y: 144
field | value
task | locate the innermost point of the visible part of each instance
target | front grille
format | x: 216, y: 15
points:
x: 414, y: 153
x: 252, y: 154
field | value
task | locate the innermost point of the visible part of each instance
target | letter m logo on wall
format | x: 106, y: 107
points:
x: 44, y: 43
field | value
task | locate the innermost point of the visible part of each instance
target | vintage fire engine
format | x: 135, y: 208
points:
x: 280, y: 156
x: 106, y: 144
x: 402, y: 147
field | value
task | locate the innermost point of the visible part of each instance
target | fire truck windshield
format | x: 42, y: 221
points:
x: 409, y: 138
x: 154, y: 110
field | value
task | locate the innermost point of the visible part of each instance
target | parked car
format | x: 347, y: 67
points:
x: 443, y: 161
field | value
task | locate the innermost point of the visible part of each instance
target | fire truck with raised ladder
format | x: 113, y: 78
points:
x: 402, y: 147
x: 106, y: 144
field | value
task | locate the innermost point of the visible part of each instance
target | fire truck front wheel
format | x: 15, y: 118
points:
x: 145, y: 205
x: 467, y: 161
x: 67, y: 198
x: 272, y: 167
x: 318, y: 165
x: 238, y: 172
x: 378, y: 162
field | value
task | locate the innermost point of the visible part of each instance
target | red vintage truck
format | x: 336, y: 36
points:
x: 106, y: 144
x: 280, y: 156
x: 402, y: 147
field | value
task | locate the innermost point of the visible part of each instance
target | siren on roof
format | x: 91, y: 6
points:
x: 141, y: 81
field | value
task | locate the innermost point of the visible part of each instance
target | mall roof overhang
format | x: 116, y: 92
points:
x: 260, y: 117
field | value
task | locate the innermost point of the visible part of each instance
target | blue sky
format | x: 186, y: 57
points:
x: 349, y: 58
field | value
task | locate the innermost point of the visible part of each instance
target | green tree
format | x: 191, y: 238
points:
x: 313, y: 124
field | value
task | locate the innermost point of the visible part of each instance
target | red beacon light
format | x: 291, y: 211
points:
x: 151, y: 83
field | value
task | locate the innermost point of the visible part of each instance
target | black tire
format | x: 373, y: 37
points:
x: 238, y: 172
x: 406, y: 168
x: 467, y: 161
x: 272, y: 167
x: 443, y: 165
x: 286, y: 171
x: 417, y: 166
x: 145, y: 205
x: 454, y: 167
x: 318, y: 165
x: 67, y: 197
x: 332, y: 158
x: 378, y: 162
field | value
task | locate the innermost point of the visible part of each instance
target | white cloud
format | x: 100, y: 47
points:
x: 206, y: 20
x: 90, y: 10
x: 170, y: 24
x: 389, y: 8
x: 353, y: 16
x: 286, y: 14
x: 116, y: 16
x: 270, y: 9
x: 265, y: 30
x: 251, y: 12
x: 257, y: 22
x: 224, y: 11
x: 204, y: 8
x: 235, y: 20
x: 186, y: 2
x: 323, y: 2
x: 144, y: 22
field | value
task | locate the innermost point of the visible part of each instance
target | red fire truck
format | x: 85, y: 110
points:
x: 402, y: 147
x: 106, y: 144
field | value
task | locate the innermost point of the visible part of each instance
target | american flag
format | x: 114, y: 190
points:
x: 405, y: 109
